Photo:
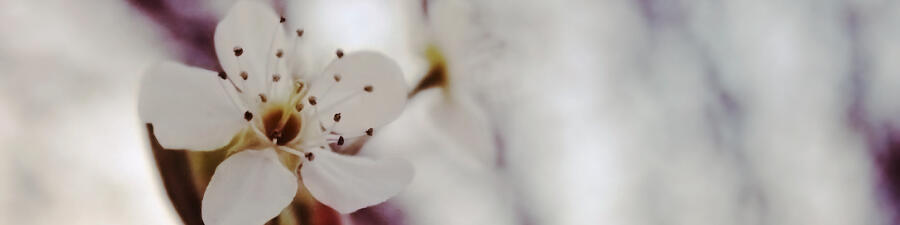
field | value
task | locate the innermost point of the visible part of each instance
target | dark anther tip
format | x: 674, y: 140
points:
x: 248, y: 116
x: 223, y: 75
x: 337, y: 117
x: 339, y: 53
x: 238, y: 51
x: 368, y: 88
x: 340, y: 140
x: 370, y: 131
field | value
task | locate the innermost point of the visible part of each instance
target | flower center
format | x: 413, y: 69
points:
x: 281, y: 125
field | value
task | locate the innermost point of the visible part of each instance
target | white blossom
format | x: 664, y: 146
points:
x: 265, y: 112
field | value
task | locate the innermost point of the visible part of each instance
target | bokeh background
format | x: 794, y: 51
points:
x: 555, y: 112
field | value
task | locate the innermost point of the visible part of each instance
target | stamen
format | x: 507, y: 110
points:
x: 244, y: 75
x: 337, y: 78
x: 282, y: 20
x: 238, y: 51
x: 337, y: 117
x: 248, y: 116
x: 299, y: 86
x: 276, y: 77
x: 312, y: 100
x: 299, y: 32
x: 262, y: 97
x: 340, y: 140
x: 368, y: 88
x: 279, y: 53
x: 309, y: 156
x: 298, y: 107
x: 223, y: 75
x: 236, y: 88
x: 340, y: 53
x: 370, y: 131
x: 235, y: 97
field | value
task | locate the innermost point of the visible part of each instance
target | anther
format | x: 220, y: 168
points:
x: 279, y: 53
x: 340, y: 53
x: 370, y: 131
x: 223, y: 75
x: 282, y: 20
x: 337, y: 78
x: 340, y: 140
x: 262, y: 98
x: 309, y: 156
x: 299, y: 32
x: 244, y: 75
x: 298, y: 107
x: 248, y: 116
x: 276, y: 77
x: 299, y: 86
x: 238, y: 51
x: 368, y: 88
x: 312, y: 100
x: 337, y: 117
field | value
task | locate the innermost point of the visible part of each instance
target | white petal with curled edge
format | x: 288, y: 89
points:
x: 348, y: 183
x: 188, y: 107
x: 360, y: 109
x: 255, y: 29
x: 249, y: 187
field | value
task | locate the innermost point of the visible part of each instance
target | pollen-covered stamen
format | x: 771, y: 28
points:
x: 339, y: 53
x: 368, y: 88
x: 223, y: 75
x: 245, y: 75
x: 282, y: 20
x: 370, y: 131
x: 337, y: 77
x: 312, y: 100
x: 276, y: 77
x: 337, y: 117
x: 299, y: 32
x: 309, y: 156
x: 279, y: 53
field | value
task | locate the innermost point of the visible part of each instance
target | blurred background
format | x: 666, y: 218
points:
x: 554, y: 112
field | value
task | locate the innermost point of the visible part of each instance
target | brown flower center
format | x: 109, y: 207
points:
x: 281, y: 125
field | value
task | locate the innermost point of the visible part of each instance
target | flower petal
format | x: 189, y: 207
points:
x: 249, y: 187
x: 248, y: 40
x: 348, y: 183
x: 188, y: 107
x: 369, y: 92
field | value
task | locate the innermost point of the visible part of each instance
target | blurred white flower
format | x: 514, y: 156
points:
x: 272, y: 120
